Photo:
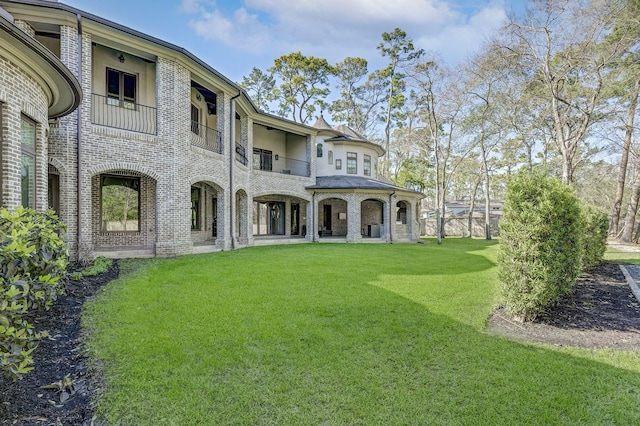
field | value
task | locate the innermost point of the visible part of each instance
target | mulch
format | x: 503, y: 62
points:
x: 601, y: 313
x: 62, y: 354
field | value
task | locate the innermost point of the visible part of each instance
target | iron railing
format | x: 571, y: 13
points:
x: 205, y: 137
x: 123, y: 114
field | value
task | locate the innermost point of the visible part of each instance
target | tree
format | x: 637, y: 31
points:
x: 260, y: 87
x: 304, y: 84
x: 559, y: 46
x: 401, y: 52
x: 360, y: 96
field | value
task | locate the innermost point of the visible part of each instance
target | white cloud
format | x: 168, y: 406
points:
x: 335, y: 29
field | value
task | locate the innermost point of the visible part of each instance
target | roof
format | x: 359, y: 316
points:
x: 61, y: 86
x: 322, y: 124
x: 356, y: 182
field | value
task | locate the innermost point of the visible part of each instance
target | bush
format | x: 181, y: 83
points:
x: 33, y: 259
x: 541, y: 251
x: 99, y: 266
x: 595, y: 225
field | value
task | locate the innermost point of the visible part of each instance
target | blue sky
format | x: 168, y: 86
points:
x: 233, y: 36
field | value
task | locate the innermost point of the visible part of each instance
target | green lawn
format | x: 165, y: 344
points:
x: 338, y: 334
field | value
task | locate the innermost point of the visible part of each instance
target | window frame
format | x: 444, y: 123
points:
x: 338, y: 163
x: 121, y: 100
x: 27, y: 151
x: 319, y: 150
x: 366, y: 164
x: 196, y: 222
x: 195, y: 119
x: 352, y: 163
x: 263, y: 155
x: 139, y: 209
x: 330, y: 156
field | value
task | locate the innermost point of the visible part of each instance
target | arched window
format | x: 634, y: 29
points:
x: 330, y: 157
x: 319, y: 150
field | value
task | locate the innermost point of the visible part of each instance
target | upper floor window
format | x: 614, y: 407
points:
x: 366, y: 164
x: 338, y: 164
x: 121, y: 89
x: 195, y: 119
x: 352, y: 163
x: 319, y: 150
x: 262, y: 159
x: 28, y: 162
x: 330, y: 157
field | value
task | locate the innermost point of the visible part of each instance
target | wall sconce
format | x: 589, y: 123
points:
x: 277, y: 157
x: 121, y: 58
x: 198, y: 97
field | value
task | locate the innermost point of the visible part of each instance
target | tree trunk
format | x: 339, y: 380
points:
x: 632, y: 209
x: 622, y: 173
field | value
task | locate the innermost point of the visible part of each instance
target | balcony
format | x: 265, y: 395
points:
x: 273, y: 163
x: 207, y: 138
x: 123, y: 114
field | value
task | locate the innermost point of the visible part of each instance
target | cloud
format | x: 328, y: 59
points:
x: 335, y: 29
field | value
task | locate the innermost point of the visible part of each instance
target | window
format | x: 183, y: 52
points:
x: 262, y: 159
x: 330, y: 157
x: 366, y: 164
x: 120, y: 203
x: 28, y: 162
x: 53, y: 191
x: 319, y: 150
x: 352, y: 163
x: 401, y: 212
x: 338, y: 164
x: 121, y: 89
x: 195, y: 208
x: 268, y: 218
x: 195, y: 119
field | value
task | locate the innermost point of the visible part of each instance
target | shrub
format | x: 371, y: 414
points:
x: 99, y: 266
x: 595, y: 225
x: 541, y: 252
x: 33, y: 259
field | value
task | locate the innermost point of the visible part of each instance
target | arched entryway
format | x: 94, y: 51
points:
x: 372, y: 218
x: 207, y: 200
x: 332, y: 218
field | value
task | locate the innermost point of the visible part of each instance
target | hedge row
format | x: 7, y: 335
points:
x: 547, y: 239
x: 33, y: 259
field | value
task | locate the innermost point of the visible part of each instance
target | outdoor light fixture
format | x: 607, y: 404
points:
x: 276, y: 157
x: 121, y: 58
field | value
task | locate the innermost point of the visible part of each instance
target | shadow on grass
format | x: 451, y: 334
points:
x: 301, y: 336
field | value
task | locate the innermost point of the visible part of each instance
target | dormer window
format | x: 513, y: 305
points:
x: 319, y: 150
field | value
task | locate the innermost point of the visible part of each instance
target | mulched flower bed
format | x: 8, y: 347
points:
x: 25, y: 402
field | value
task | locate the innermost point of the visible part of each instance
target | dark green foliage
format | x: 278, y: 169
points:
x: 99, y: 266
x: 541, y: 251
x: 595, y: 224
x: 33, y: 259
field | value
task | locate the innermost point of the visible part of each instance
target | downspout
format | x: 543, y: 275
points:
x: 78, y: 143
x: 390, y: 217
x: 232, y: 150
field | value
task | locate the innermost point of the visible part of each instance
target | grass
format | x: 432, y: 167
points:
x: 338, y: 334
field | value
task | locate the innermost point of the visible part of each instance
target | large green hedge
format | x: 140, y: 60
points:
x: 33, y: 259
x: 541, y: 248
